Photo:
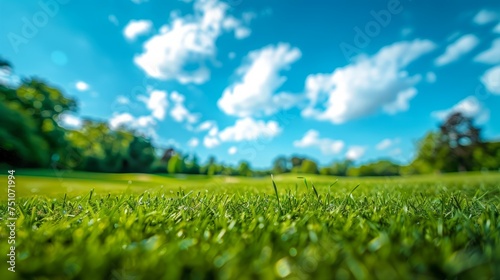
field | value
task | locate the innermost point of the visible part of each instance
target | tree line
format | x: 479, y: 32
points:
x: 31, y: 137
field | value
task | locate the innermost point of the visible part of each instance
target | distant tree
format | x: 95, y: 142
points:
x: 31, y: 111
x: 459, y: 136
x: 340, y: 168
x: 174, y: 164
x: 244, y: 169
x: 457, y: 146
x: 378, y: 168
x: 296, y: 161
x: 191, y: 164
x: 140, y: 155
x: 280, y: 165
x: 309, y: 166
x: 170, y: 152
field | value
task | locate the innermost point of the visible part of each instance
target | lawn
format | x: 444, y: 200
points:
x: 139, y: 226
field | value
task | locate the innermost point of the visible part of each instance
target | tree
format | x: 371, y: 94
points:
x: 309, y: 166
x: 31, y: 112
x: 460, y: 137
x: 340, y: 168
x: 457, y: 146
x: 174, y: 164
x: 280, y: 165
x: 296, y: 161
x: 140, y: 155
x: 378, y: 168
x: 244, y: 169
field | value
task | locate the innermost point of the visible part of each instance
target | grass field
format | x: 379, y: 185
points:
x: 138, y: 226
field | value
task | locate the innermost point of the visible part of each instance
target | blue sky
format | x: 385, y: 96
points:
x: 251, y: 80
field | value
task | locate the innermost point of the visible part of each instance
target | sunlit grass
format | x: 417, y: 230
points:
x: 387, y: 228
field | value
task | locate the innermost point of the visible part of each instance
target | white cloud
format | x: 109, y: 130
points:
x: 136, y: 28
x: 497, y: 29
x: 327, y: 146
x: 396, y: 152
x: 232, y: 150
x: 246, y: 129
x: 82, y: 86
x: 249, y: 129
x: 491, y: 79
x: 210, y: 142
x: 367, y: 85
x: 491, y: 55
x: 206, y: 125
x: 402, y: 102
x: 355, y: 152
x: 406, y: 31
x: 145, y: 121
x: 156, y: 102
x: 469, y: 107
x: 259, y: 78
x: 113, y: 19
x: 120, y: 99
x: 70, y: 121
x: 485, y: 16
x: 143, y: 124
x: 181, y: 49
x: 386, y: 143
x: 430, y: 77
x: 457, y: 49
x: 179, y: 112
x: 193, y: 142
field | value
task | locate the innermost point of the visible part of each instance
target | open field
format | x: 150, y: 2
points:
x: 138, y: 226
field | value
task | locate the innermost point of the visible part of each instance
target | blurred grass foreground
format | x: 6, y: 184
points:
x: 419, y: 227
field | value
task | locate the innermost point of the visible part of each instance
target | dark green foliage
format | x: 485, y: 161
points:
x: 379, y: 168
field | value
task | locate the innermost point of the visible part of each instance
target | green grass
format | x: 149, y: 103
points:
x: 158, y: 227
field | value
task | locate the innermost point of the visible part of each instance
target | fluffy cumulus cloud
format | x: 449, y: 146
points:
x: 402, y: 102
x: 259, y: 78
x: 491, y: 79
x: 491, y: 55
x: 113, y: 19
x: 157, y: 102
x: 485, y: 16
x: 70, y: 121
x: 312, y: 139
x: 82, y: 86
x: 430, y: 77
x: 193, y: 142
x: 232, y: 150
x: 204, y: 126
x: 457, y: 49
x: 386, y: 143
x: 469, y: 107
x: 497, y: 28
x: 136, y: 28
x: 143, y: 124
x: 182, y: 48
x: 355, y: 152
x: 179, y: 112
x: 367, y: 85
x: 248, y: 129
x: 210, y: 142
